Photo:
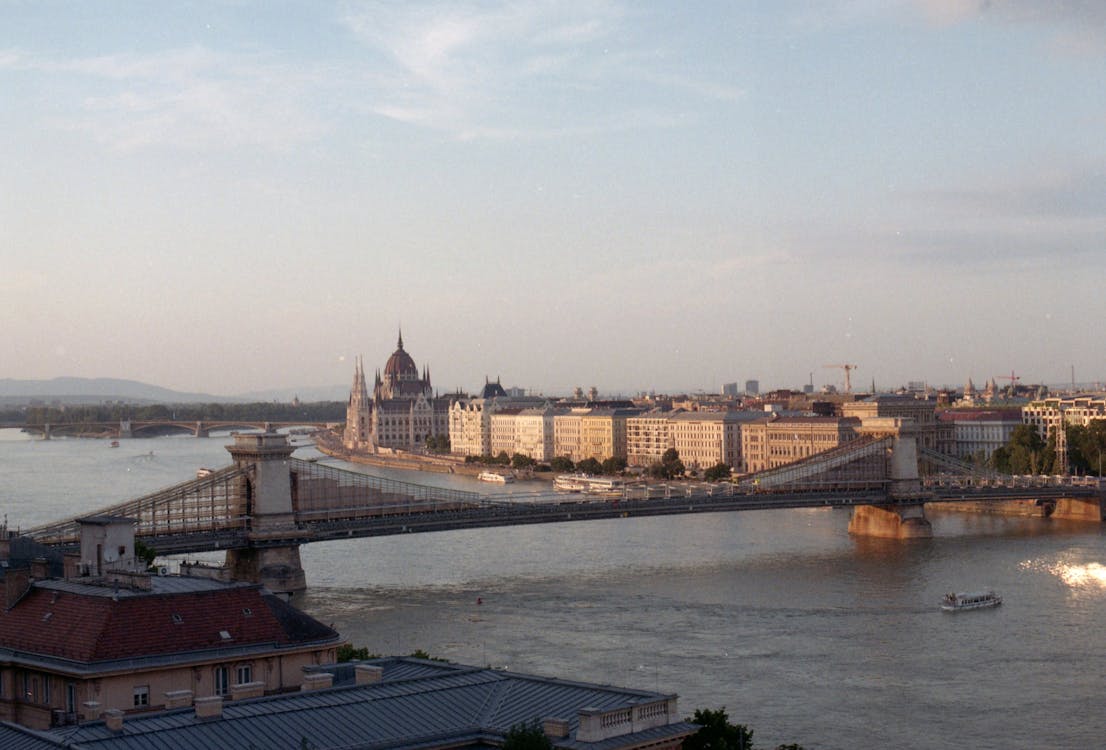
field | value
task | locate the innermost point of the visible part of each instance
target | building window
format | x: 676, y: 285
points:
x: 244, y: 674
x: 142, y: 696
x: 46, y: 696
x: 220, y: 680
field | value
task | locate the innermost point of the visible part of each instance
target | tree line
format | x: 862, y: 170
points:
x: 320, y: 411
x: 1026, y: 452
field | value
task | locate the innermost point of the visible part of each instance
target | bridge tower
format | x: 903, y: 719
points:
x: 904, y: 517
x: 273, y: 557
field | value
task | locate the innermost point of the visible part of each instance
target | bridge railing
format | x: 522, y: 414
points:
x: 213, y: 502
x: 859, y: 462
x: 322, y: 492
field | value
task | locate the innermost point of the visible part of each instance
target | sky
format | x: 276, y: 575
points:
x: 232, y: 196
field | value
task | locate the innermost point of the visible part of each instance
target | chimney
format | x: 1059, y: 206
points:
x: 178, y: 698
x: 209, y: 707
x: 113, y: 719
x: 40, y: 569
x: 317, y: 681
x: 91, y: 710
x: 368, y: 674
x: 555, y: 729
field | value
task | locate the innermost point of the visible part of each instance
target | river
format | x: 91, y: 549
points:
x: 802, y: 632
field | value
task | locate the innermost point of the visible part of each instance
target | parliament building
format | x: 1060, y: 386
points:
x: 402, y: 411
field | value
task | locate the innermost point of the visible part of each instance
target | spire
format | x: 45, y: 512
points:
x: 399, y: 344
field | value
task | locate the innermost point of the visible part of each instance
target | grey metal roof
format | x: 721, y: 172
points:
x: 15, y: 737
x: 418, y: 704
x: 158, y: 585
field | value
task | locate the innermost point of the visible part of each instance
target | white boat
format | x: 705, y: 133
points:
x: 570, y: 482
x: 972, y: 600
x: 491, y: 476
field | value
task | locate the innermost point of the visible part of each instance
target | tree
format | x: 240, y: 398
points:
x: 1087, y: 447
x: 562, y: 463
x: 522, y: 461
x: 145, y: 553
x: 614, y: 465
x: 526, y: 736
x: 1024, y: 453
x: 670, y: 466
x: 718, y: 473
x: 589, y: 466
x: 717, y: 733
x: 346, y: 652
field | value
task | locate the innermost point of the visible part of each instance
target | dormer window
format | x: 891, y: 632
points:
x: 247, y: 612
x: 225, y: 635
x: 177, y: 619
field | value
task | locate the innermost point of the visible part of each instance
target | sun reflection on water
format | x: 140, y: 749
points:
x: 1088, y: 575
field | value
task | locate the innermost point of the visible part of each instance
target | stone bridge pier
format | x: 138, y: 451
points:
x: 904, y: 518
x: 271, y: 518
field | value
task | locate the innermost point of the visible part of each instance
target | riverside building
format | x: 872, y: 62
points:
x: 402, y: 411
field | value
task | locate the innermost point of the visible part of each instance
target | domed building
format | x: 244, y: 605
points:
x: 402, y: 411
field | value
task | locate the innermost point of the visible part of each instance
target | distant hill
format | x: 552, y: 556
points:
x: 96, y: 390
x: 69, y: 390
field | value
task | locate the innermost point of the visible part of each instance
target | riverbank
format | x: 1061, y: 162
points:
x: 330, y: 443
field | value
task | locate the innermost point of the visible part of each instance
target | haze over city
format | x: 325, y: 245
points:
x: 220, y: 198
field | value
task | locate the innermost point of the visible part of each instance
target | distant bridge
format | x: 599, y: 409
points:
x: 139, y: 427
x: 265, y: 505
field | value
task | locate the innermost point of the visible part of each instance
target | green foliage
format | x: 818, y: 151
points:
x: 670, y: 466
x: 717, y: 733
x: 589, y: 466
x: 145, y: 553
x: 526, y: 736
x: 1087, y: 447
x: 347, y: 652
x: 421, y: 654
x: 717, y: 473
x: 438, y: 443
x: 614, y: 465
x: 562, y: 464
x: 1025, y: 453
x: 522, y: 461
x: 322, y: 411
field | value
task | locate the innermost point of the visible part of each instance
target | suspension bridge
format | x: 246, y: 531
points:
x: 263, y: 506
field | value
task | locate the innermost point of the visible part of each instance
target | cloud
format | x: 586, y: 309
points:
x: 193, y: 98
x: 516, y: 70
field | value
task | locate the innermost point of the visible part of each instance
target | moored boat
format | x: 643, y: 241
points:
x: 492, y: 476
x: 955, y: 602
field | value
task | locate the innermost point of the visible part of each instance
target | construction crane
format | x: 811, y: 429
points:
x: 847, y: 369
x: 1011, y: 377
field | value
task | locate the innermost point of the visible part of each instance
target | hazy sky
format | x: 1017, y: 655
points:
x: 232, y: 196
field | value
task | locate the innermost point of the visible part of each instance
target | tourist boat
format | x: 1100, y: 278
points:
x: 491, y: 476
x: 973, y: 600
x: 570, y: 482
x: 586, y: 483
x: 114, y: 443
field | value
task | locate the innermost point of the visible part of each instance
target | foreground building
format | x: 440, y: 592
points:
x: 394, y: 703
x: 109, y: 637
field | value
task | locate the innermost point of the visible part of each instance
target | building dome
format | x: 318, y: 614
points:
x: 400, y: 366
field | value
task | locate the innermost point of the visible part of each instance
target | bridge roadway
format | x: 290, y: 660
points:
x: 490, y: 512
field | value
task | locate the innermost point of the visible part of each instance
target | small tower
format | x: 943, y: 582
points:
x: 357, y: 411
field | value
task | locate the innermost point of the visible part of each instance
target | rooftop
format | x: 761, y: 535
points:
x: 417, y: 703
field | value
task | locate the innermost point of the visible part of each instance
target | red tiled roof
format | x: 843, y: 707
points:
x: 92, y: 628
